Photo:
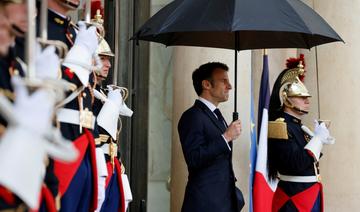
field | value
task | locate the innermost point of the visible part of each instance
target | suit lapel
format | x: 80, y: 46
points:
x: 211, y: 115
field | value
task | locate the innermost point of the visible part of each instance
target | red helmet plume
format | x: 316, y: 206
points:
x: 294, y: 62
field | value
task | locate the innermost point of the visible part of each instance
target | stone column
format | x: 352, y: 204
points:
x: 339, y: 91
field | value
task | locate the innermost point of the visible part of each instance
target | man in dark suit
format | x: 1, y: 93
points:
x: 206, y: 142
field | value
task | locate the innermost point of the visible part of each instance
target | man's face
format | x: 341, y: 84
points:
x: 219, y: 86
x: 17, y: 15
x: 105, y: 68
x: 302, y: 103
x: 6, y: 37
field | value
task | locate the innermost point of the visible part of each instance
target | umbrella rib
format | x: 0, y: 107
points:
x: 299, y: 17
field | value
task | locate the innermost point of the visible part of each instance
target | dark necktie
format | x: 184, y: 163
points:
x: 220, y: 117
x: 222, y: 122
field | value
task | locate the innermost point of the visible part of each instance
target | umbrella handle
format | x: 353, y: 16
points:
x: 235, y: 116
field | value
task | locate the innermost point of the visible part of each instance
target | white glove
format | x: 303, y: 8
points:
x: 87, y: 37
x: 109, y: 113
x: 116, y: 97
x: 21, y: 145
x: 321, y: 131
x: 24, y: 143
x: 79, y: 58
x: 321, y: 136
x: 47, y: 63
x: 34, y: 111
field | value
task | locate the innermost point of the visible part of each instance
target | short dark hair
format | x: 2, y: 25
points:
x: 204, y: 72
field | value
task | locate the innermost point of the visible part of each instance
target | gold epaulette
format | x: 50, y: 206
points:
x: 277, y: 129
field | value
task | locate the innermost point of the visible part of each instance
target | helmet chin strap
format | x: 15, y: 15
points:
x: 299, y: 110
x: 288, y: 103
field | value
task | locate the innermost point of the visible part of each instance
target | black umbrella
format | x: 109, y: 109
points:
x: 238, y: 25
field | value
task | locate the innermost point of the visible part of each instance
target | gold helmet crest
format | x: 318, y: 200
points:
x: 291, y: 85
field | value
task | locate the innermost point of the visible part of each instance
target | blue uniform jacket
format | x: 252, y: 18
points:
x: 211, y: 181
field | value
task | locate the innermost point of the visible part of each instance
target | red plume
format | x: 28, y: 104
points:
x: 96, y: 5
x: 294, y: 62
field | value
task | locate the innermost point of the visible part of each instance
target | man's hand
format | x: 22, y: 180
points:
x: 233, y: 131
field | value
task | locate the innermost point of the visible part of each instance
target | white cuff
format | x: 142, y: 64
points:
x: 79, y: 60
x: 20, y: 147
x: 315, y: 145
x: 226, y: 142
x: 108, y: 118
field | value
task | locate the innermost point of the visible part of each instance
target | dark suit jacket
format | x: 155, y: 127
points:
x: 211, y: 181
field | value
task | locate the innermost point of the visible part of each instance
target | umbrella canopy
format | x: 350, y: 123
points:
x: 238, y: 25
x: 259, y: 23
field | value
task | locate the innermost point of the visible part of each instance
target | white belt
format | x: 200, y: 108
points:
x: 73, y: 117
x: 299, y: 179
x: 106, y: 149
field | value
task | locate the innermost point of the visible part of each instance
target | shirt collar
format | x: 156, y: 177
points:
x: 292, y: 118
x: 59, y: 14
x: 208, y: 104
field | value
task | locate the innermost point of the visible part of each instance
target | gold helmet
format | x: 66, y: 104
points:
x: 292, y: 86
x: 104, y: 49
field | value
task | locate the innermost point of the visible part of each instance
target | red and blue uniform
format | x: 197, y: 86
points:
x: 77, y: 180
x: 289, y: 158
x: 114, y: 193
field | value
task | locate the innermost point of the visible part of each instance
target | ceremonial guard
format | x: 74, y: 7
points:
x: 109, y: 104
x: 7, y: 199
x: 294, y: 150
x: 9, y: 65
x: 27, y: 114
x: 56, y: 31
x: 77, y: 180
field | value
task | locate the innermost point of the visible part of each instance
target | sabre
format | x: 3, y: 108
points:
x: 44, y: 20
x: 30, y: 51
x: 30, y: 39
x: 88, y: 11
